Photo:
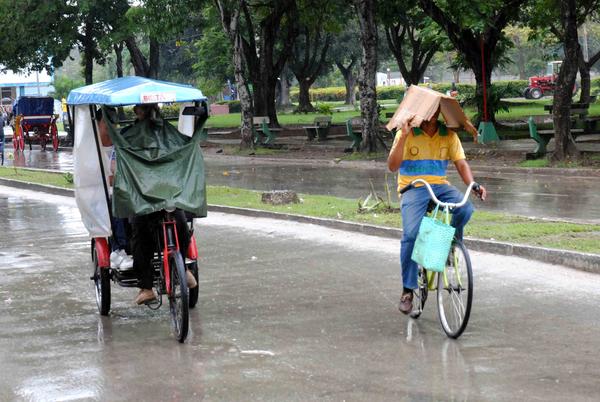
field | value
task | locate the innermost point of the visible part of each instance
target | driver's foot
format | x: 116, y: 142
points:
x: 406, y: 305
x: 145, y: 296
x: 191, y: 281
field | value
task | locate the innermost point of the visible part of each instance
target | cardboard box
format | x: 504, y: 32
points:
x: 420, y: 104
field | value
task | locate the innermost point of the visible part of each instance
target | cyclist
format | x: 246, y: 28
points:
x: 142, y: 241
x: 423, y: 152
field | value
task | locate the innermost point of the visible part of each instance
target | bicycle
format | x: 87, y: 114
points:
x: 169, y: 275
x: 454, y: 285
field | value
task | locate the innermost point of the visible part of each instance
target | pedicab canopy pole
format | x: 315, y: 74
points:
x: 486, y: 131
x: 420, y: 104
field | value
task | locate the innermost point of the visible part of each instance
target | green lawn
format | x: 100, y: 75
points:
x: 519, y: 110
x: 484, y: 225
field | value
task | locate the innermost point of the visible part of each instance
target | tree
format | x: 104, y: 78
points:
x: 267, y: 32
x: 213, y: 65
x: 98, y: 19
x: 366, y: 12
x: 20, y: 50
x: 561, y: 18
x: 475, y: 28
x: 564, y: 143
x: 154, y: 22
x: 412, y: 37
x: 307, y: 60
x: 230, y: 12
x: 346, y: 55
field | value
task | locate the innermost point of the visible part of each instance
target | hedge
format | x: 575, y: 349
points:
x: 507, y: 89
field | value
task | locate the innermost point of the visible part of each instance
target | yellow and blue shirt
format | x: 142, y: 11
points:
x: 426, y: 157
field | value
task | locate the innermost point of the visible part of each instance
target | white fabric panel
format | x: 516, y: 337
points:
x: 186, y: 123
x: 89, y: 189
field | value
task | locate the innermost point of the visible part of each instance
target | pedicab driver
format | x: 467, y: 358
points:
x: 424, y: 152
x: 142, y: 241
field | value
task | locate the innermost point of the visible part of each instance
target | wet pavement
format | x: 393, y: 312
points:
x: 288, y: 312
x: 544, y: 196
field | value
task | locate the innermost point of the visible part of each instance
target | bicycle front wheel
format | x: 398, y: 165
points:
x: 178, y: 296
x: 455, y: 291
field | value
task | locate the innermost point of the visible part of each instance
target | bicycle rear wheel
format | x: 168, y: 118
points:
x: 455, y: 291
x: 178, y: 296
x: 420, y: 293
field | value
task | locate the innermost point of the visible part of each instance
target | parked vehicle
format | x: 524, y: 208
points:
x: 34, y: 121
x: 544, y: 85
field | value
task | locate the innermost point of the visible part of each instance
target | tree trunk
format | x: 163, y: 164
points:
x: 138, y: 61
x: 586, y: 84
x: 520, y: 57
x: 154, y: 59
x: 304, y: 104
x: 349, y: 81
x: 366, y: 10
x: 118, y: 48
x: 564, y: 146
x: 231, y: 25
x: 284, y: 91
x: 481, y: 110
x: 88, y: 64
x: 88, y: 53
x: 243, y: 93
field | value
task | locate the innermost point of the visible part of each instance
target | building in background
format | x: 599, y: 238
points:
x: 390, y: 78
x: 14, y: 85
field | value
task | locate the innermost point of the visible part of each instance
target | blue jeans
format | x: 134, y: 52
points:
x: 414, y: 206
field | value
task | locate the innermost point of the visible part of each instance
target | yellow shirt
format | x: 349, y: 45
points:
x: 426, y: 157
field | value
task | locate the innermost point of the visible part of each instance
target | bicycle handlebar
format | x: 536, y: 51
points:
x: 471, y: 186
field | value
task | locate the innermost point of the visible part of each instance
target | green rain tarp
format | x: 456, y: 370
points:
x: 157, y: 168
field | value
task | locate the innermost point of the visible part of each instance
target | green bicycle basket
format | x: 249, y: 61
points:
x: 433, y: 242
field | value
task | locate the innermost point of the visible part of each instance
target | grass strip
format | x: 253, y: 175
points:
x: 483, y: 225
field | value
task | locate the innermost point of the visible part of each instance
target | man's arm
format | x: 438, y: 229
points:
x: 396, y: 155
x: 103, y: 131
x: 464, y: 170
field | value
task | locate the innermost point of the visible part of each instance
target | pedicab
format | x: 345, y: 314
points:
x: 34, y: 121
x: 158, y: 169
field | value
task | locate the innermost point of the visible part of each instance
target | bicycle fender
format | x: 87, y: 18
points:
x: 102, y: 252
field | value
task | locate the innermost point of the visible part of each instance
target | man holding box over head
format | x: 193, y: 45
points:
x: 422, y: 150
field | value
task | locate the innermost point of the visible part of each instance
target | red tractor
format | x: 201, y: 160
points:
x: 543, y: 85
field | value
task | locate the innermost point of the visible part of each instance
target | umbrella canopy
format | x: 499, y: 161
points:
x: 133, y: 90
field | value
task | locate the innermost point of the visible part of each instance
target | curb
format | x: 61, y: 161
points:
x: 572, y: 259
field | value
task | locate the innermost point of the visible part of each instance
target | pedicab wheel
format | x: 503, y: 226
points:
x: 420, y: 294
x: 54, y: 132
x: 22, y: 142
x: 178, y: 296
x: 102, y: 287
x: 193, y: 267
x: 455, y: 291
x: 43, y: 141
x: 54, y: 135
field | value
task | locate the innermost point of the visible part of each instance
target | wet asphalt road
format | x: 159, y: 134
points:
x: 287, y: 312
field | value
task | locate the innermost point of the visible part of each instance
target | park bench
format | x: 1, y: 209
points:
x: 354, y: 134
x: 261, y: 132
x: 578, y: 113
x: 319, y: 129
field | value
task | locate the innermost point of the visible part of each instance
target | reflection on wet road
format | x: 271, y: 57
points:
x: 286, y: 312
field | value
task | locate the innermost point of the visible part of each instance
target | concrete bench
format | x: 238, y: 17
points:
x: 578, y: 113
x: 355, y: 135
x: 262, y: 133
x: 319, y: 128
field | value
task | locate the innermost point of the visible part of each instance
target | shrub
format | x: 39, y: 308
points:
x: 323, y: 108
